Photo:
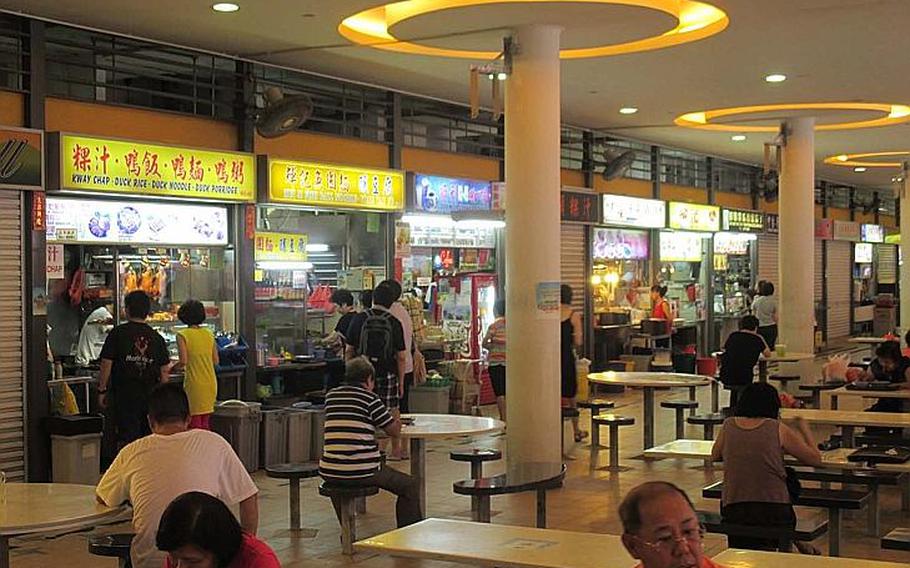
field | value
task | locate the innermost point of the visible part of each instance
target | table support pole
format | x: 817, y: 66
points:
x: 649, y: 418
x: 418, y: 470
x: 715, y: 396
x: 834, y: 517
x: 762, y: 371
x: 294, y: 503
x: 848, y: 437
x: 4, y: 552
x: 872, y: 511
x: 541, y: 508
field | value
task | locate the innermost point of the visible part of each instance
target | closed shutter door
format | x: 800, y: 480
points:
x: 887, y: 264
x: 572, y: 263
x: 12, y: 438
x: 768, y: 259
x: 837, y: 280
x: 819, y: 273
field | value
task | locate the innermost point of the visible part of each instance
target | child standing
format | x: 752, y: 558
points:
x: 198, y: 356
x: 495, y: 344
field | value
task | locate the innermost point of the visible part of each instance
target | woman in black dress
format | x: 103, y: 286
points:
x: 570, y: 340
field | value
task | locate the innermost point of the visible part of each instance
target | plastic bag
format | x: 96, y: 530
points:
x: 836, y: 367
x: 788, y: 401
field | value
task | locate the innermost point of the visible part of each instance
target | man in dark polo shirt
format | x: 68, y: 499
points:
x: 741, y: 352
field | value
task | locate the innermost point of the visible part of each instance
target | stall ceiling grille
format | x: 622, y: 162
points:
x: 819, y: 273
x: 838, y: 280
x: 768, y: 259
x: 572, y: 263
x: 732, y: 177
x: 683, y: 168
x: 13, y: 54
x: 441, y: 126
x: 887, y: 264
x: 12, y: 437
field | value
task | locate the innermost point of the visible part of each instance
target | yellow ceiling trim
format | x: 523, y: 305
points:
x: 694, y: 21
x: 862, y: 161
x: 703, y: 120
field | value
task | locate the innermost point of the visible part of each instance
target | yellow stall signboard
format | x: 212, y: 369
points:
x: 139, y: 168
x: 280, y: 246
x: 325, y: 185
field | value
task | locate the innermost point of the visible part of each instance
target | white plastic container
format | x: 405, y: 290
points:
x: 76, y: 459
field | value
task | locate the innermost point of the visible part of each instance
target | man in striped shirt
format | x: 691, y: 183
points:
x: 350, y: 454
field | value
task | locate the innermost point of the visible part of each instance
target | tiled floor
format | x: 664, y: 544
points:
x: 587, y: 503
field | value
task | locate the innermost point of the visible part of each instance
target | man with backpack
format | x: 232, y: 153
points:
x: 377, y: 335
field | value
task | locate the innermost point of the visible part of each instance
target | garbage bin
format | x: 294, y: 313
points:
x: 300, y: 435
x: 273, y: 436
x: 76, y: 448
x: 238, y: 422
x: 318, y: 428
x: 429, y: 400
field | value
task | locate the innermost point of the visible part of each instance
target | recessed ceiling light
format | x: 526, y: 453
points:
x: 501, y: 76
x: 859, y: 170
x: 308, y: 15
x: 738, y: 137
x: 628, y: 110
x: 776, y: 78
x: 225, y: 7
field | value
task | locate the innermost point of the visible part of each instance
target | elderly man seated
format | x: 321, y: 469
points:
x: 661, y: 529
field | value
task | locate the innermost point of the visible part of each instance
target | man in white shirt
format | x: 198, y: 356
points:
x: 154, y: 470
x: 93, y: 333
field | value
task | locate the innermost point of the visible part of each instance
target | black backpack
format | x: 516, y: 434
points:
x: 376, y: 343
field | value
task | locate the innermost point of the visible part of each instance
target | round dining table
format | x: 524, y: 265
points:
x: 31, y: 508
x: 436, y: 427
x: 649, y: 382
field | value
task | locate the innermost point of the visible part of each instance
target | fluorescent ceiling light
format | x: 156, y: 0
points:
x: 628, y: 110
x: 317, y: 248
x: 428, y: 220
x: 859, y: 170
x: 283, y: 265
x: 738, y: 138
x: 776, y: 78
x: 480, y: 224
x: 225, y: 7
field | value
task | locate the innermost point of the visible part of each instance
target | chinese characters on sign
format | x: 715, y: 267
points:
x: 634, y: 212
x: 281, y: 246
x: 846, y: 231
x: 579, y: 207
x: 772, y: 223
x: 305, y: 183
x: 94, y: 164
x: 39, y: 211
x: 444, y: 195
x: 54, y: 261
x: 743, y: 220
x: 693, y: 217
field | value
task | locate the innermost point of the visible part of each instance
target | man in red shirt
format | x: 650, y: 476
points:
x: 661, y: 529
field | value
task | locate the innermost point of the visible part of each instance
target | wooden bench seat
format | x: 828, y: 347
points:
x: 807, y: 529
x: 898, y: 539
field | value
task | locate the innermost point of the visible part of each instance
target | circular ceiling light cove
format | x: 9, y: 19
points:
x: 695, y: 21
x: 862, y: 160
x: 705, y: 120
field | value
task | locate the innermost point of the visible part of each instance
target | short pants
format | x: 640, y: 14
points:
x: 387, y: 390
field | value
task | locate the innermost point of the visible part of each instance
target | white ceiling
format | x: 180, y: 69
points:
x: 831, y: 50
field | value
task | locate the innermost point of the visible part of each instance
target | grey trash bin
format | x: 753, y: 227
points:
x: 273, y: 436
x: 300, y: 435
x: 318, y: 428
x: 238, y: 423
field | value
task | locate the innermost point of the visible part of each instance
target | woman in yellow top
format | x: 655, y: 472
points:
x: 198, y: 357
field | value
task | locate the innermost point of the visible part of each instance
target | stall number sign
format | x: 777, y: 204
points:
x: 138, y: 168
x: 305, y: 183
x: 872, y: 233
x: 579, y: 207
x: 846, y: 231
x: 743, y: 221
x: 772, y: 223
x: 692, y: 217
x: 281, y: 246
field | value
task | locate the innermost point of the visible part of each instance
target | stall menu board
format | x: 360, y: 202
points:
x: 326, y: 185
x: 824, y: 228
x: 732, y: 243
x: 138, y: 222
x: 862, y: 253
x: 579, y: 207
x: 616, y: 244
x: 634, y: 212
x: 872, y: 233
x: 846, y: 231
x: 452, y: 236
x: 772, y: 223
x: 679, y: 246
x: 139, y: 168
x: 436, y: 194
x: 694, y: 217
x: 280, y: 246
x: 743, y: 220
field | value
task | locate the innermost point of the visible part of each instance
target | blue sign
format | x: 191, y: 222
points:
x: 435, y: 194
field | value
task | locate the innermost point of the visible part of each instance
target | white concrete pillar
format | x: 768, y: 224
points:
x: 797, y: 237
x: 532, y: 150
x: 904, y: 223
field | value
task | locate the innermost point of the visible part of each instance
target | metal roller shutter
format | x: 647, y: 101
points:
x: 819, y: 272
x: 12, y: 438
x: 572, y: 263
x: 768, y: 259
x: 887, y: 264
x: 838, y: 279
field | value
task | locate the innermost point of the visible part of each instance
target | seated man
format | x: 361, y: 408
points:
x: 661, y: 529
x: 890, y: 366
x: 741, y: 352
x: 350, y: 453
x: 152, y: 471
